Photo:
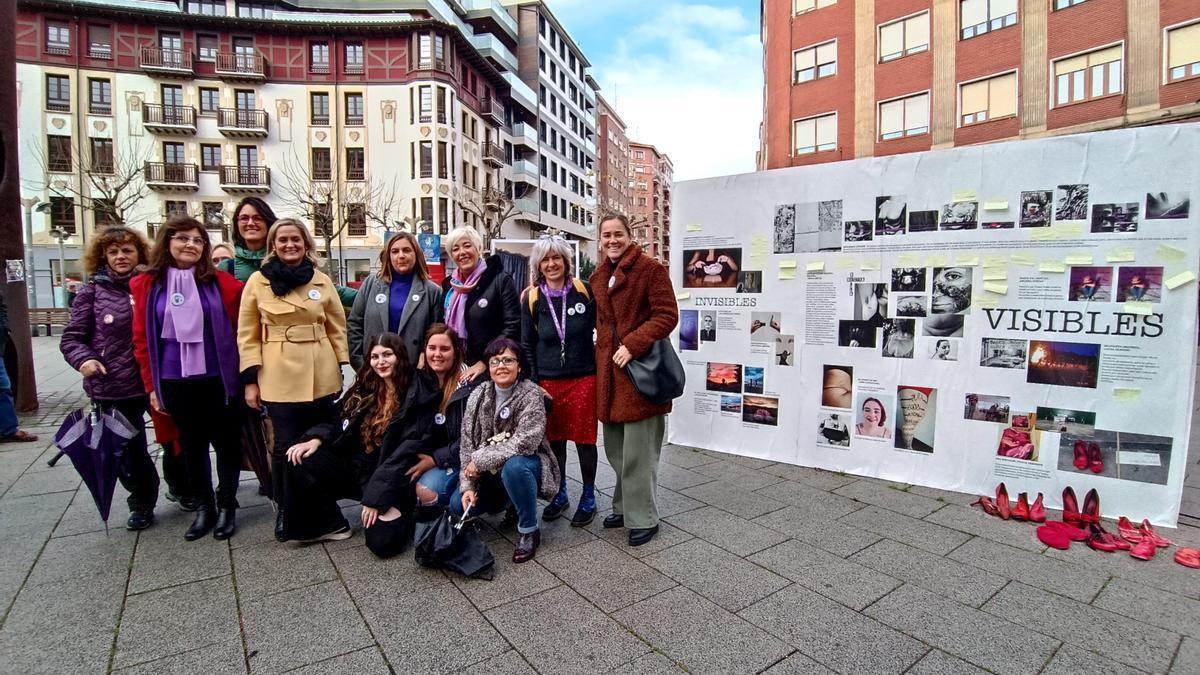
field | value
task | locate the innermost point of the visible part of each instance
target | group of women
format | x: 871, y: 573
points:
x: 465, y: 396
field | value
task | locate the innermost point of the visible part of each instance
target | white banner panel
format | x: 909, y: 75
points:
x: 1021, y: 312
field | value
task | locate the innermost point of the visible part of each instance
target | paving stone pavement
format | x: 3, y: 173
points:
x: 760, y: 567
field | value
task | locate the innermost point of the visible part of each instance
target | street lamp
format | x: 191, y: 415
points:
x: 61, y: 236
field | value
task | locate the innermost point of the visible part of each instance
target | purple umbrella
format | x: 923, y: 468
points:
x: 95, y: 442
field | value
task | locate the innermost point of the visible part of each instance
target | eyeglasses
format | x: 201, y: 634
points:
x: 184, y: 240
x: 248, y: 219
x: 502, y: 361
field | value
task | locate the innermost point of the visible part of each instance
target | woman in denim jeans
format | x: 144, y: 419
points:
x: 436, y: 471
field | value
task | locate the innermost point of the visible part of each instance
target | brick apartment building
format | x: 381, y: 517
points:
x: 861, y: 78
x: 650, y: 181
x: 612, y: 178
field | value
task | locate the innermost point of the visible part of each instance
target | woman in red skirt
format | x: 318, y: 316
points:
x: 558, y: 318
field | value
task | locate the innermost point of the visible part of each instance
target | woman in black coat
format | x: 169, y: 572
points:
x: 386, y: 421
x: 481, y: 301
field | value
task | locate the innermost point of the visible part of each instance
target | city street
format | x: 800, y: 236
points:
x: 759, y: 566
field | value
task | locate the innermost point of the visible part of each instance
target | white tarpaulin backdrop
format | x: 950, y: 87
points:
x: 1021, y: 312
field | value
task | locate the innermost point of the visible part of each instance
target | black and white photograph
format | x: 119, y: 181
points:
x: 908, y: 279
x: 1122, y: 217
x: 938, y: 349
x: 1167, y: 205
x: 1003, y: 353
x: 911, y: 305
x: 764, y: 327
x: 859, y: 230
x: 708, y: 326
x: 899, y: 338
x: 749, y: 281
x: 951, y: 290
x: 856, y: 334
x: 829, y: 219
x: 785, y: 350
x: 870, y: 303
x: 960, y: 216
x: 833, y: 428
x: 943, y: 325
x: 922, y: 221
x: 998, y: 225
x: 1035, y: 208
x: 1071, y: 203
x: 890, y: 215
x: 784, y: 237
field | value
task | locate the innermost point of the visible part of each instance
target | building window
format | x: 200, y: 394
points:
x: 58, y: 93
x: 58, y: 38
x: 815, y: 134
x: 206, y: 7
x: 1183, y: 52
x: 904, y: 117
x: 354, y: 109
x: 210, y: 157
x: 801, y: 6
x: 442, y: 160
x: 214, y: 216
x: 904, y: 37
x: 319, y: 106
x: 1063, y: 4
x: 62, y: 214
x: 100, y: 42
x: 248, y: 9
x: 356, y: 164
x: 354, y: 57
x: 356, y: 220
x: 425, y: 96
x: 441, y: 105
x: 322, y: 219
x: 322, y: 164
x: 431, y: 52
x: 1088, y: 76
x: 981, y: 16
x: 815, y: 62
x: 318, y: 57
x: 172, y: 153
x: 102, y: 155
x: 425, y: 149
x: 206, y: 48
x: 99, y: 96
x: 210, y: 100
x: 58, y: 153
x: 988, y: 99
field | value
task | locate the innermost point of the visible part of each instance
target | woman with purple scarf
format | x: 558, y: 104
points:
x: 185, y: 345
x: 481, y: 301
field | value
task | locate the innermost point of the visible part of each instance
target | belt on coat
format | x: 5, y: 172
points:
x: 312, y: 332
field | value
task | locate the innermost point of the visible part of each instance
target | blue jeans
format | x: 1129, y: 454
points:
x: 441, y: 481
x: 8, y: 409
x: 521, y: 476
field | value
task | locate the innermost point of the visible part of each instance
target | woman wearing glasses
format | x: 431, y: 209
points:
x: 186, y: 347
x: 292, y: 339
x: 481, y: 300
x: 558, y: 317
x: 503, y: 449
x: 399, y: 299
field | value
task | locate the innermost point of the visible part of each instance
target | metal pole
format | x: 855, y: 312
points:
x: 29, y: 203
x: 62, y: 267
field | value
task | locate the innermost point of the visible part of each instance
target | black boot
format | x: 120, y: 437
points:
x: 277, y: 494
x: 225, y: 524
x: 206, y: 517
x: 280, y: 532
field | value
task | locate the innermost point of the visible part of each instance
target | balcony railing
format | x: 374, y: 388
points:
x: 241, y: 66
x: 99, y: 51
x: 439, y: 65
x: 494, y: 110
x: 525, y: 133
x: 353, y: 69
x: 245, y: 178
x: 57, y: 164
x: 169, y: 118
x: 171, y: 175
x: 98, y: 108
x: 167, y: 61
x: 58, y: 48
x: 354, y: 120
x: 492, y: 154
x: 242, y: 122
x: 58, y: 105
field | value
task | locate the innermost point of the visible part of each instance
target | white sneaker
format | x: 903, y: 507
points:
x: 337, y: 535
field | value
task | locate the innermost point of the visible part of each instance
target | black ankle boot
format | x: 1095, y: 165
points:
x: 280, y: 532
x: 225, y: 526
x: 206, y: 517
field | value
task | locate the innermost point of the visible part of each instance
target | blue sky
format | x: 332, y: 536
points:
x: 684, y: 76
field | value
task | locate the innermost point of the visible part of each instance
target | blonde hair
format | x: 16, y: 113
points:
x: 310, y: 244
x: 459, y: 233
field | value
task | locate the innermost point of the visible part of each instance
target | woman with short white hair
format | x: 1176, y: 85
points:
x: 558, y: 317
x: 481, y: 300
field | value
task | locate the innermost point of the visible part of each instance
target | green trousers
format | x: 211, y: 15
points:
x: 633, y: 449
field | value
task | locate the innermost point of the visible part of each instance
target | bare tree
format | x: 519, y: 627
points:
x: 105, y: 182
x: 493, y: 208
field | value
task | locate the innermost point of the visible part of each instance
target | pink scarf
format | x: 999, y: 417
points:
x: 183, y: 320
x: 456, y: 300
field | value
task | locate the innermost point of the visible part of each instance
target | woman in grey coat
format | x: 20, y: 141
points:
x: 398, y: 299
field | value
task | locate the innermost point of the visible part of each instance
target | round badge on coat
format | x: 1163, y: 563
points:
x: 314, y: 294
x: 416, y: 298
x: 611, y: 281
x: 345, y: 424
x: 439, y: 419
x: 177, y: 299
x: 505, y: 413
x: 108, y: 319
x: 580, y: 308
x: 381, y: 298
x: 570, y: 311
x: 483, y: 303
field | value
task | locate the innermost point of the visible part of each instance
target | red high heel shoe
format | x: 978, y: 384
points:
x: 1021, y: 510
x: 1095, y: 459
x: 1081, y: 455
x: 1057, y: 534
x: 1144, y: 549
x: 1188, y: 557
x: 1103, y: 540
x: 1071, y: 515
x: 988, y: 506
x: 1147, y: 532
x: 1128, y: 532
x: 1037, y: 512
x: 1002, y: 504
x: 1091, y: 507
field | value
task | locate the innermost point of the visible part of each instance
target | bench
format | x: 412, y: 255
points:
x: 51, y: 316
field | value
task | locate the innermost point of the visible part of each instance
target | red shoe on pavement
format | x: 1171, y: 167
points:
x: 1037, y: 512
x: 1188, y: 557
x: 1148, y: 532
x: 1002, y: 504
x: 1071, y: 515
x: 1128, y: 531
x: 1021, y: 510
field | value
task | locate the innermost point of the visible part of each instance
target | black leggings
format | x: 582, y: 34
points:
x: 289, y: 421
x: 205, y: 417
x: 587, y: 459
x: 138, y: 474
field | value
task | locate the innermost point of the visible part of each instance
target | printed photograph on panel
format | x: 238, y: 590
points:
x: 916, y: 418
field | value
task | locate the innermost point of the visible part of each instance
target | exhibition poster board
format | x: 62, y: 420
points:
x: 1021, y: 312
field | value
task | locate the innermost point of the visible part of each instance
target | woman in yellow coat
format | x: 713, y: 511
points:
x: 292, y: 342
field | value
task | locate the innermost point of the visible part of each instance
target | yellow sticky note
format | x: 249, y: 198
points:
x: 815, y: 266
x: 1021, y: 259
x: 998, y: 287
x: 695, y: 227
x: 1071, y: 228
x: 964, y: 195
x: 1126, y: 393
x: 1052, y: 267
x: 1143, y: 308
x: 995, y: 206
x: 995, y: 260
x: 1168, y: 252
x: 787, y: 264
x: 1179, y: 280
x: 985, y: 302
x: 845, y: 262
x: 682, y: 296
x: 995, y: 273
x: 935, y: 261
x: 909, y: 260
x: 966, y: 261
x: 1120, y: 255
x: 1079, y: 259
x: 870, y: 265
x: 789, y: 273
x: 1043, y: 234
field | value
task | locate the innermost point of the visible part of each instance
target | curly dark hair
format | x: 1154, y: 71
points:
x: 369, y: 394
x: 96, y: 258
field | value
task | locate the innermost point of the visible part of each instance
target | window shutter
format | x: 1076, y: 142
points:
x: 974, y: 97
x: 916, y: 31
x: 827, y: 130
x: 891, y: 118
x: 891, y: 39
x: 1183, y: 46
x: 1104, y: 55
x: 1070, y: 65
x: 973, y: 12
x: 806, y: 58
x: 1002, y: 96
x: 827, y: 53
x: 916, y: 112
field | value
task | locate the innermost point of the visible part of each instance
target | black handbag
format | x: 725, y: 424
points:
x: 658, y: 374
x: 441, y: 542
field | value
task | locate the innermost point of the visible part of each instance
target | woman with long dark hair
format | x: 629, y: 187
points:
x: 398, y: 299
x: 185, y: 345
x: 252, y: 219
x: 437, y: 467
x: 386, y: 418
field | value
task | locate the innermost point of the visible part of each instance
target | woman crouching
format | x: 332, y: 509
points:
x: 503, y: 448
x: 385, y: 421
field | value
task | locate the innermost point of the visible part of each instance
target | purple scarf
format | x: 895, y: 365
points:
x: 456, y: 301
x: 183, y: 320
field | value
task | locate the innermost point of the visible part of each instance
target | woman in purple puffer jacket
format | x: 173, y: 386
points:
x: 98, y: 342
